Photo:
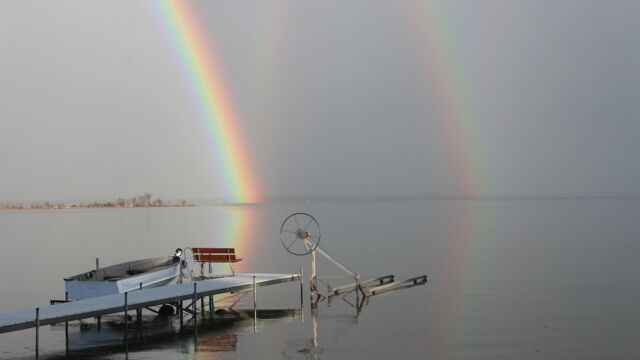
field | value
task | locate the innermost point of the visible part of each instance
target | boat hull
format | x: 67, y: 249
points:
x: 85, y: 286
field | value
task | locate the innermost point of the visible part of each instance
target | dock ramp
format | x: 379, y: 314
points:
x: 51, y: 314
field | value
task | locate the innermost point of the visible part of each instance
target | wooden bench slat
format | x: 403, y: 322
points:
x: 215, y: 255
x: 214, y: 250
x: 215, y: 258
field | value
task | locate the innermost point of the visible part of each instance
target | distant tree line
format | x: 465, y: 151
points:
x: 145, y: 200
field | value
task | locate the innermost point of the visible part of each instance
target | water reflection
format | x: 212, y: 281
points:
x: 204, y: 336
x: 346, y: 309
x: 213, y: 335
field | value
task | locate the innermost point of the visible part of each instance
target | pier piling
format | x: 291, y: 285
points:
x: 139, y: 311
x: 37, y: 331
x: 301, y: 287
x: 66, y: 328
x: 194, y: 307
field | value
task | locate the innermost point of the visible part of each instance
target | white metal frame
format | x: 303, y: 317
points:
x: 355, y: 286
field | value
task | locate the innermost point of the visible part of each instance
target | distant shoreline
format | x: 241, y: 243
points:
x: 75, y: 206
x: 142, y: 201
x: 145, y: 201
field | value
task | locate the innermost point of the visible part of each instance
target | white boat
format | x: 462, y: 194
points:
x: 120, y: 278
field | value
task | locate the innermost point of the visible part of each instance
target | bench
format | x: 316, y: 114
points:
x: 204, y: 255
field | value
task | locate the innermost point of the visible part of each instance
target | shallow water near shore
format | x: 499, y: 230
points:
x: 525, y: 278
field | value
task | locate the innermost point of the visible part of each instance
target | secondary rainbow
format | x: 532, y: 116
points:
x: 206, y: 79
x: 447, y: 73
x: 460, y: 123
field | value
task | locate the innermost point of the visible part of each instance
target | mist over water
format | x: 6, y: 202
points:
x: 528, y: 278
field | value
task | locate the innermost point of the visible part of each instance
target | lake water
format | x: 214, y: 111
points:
x: 513, y: 279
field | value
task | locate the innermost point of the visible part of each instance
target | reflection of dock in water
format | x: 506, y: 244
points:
x: 214, y: 332
x: 218, y: 343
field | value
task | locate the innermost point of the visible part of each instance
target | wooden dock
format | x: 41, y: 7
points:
x: 133, y: 300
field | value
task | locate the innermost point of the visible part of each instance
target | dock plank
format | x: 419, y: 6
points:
x: 50, y: 314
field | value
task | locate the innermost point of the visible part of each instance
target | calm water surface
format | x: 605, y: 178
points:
x: 525, y: 279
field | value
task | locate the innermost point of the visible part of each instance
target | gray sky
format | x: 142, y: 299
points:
x: 335, y: 98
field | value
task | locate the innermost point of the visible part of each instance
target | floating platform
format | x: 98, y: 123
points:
x: 138, y: 299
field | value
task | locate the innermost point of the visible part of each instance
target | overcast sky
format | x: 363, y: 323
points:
x: 335, y: 98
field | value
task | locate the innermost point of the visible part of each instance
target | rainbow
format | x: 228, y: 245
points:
x: 237, y: 227
x: 459, y: 123
x: 206, y: 79
x: 446, y: 72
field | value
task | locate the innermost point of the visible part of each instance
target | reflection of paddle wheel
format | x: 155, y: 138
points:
x: 218, y: 343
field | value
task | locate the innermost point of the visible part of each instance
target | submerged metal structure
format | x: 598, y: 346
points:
x: 300, y: 235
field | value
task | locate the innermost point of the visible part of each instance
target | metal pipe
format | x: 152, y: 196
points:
x: 195, y: 308
x: 301, y: 288
x: 139, y: 311
x: 314, y: 328
x: 194, y: 303
x: 254, y: 296
x: 126, y: 310
x: 336, y: 262
x: 358, y: 288
x: 255, y: 311
x: 126, y: 324
x: 37, y: 331
x: 380, y: 280
x: 313, y: 272
x: 66, y: 328
x: 181, y: 315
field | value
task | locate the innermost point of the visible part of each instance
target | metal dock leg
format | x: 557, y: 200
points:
x: 195, y: 315
x: 255, y: 311
x: 194, y: 300
x: 126, y: 313
x: 139, y: 312
x: 66, y: 329
x: 37, y: 332
x: 358, y: 289
x: 126, y: 325
x: 181, y: 315
x: 301, y: 288
x: 313, y: 279
x: 195, y: 310
x: 202, y: 305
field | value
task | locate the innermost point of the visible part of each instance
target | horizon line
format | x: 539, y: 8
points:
x: 387, y: 197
